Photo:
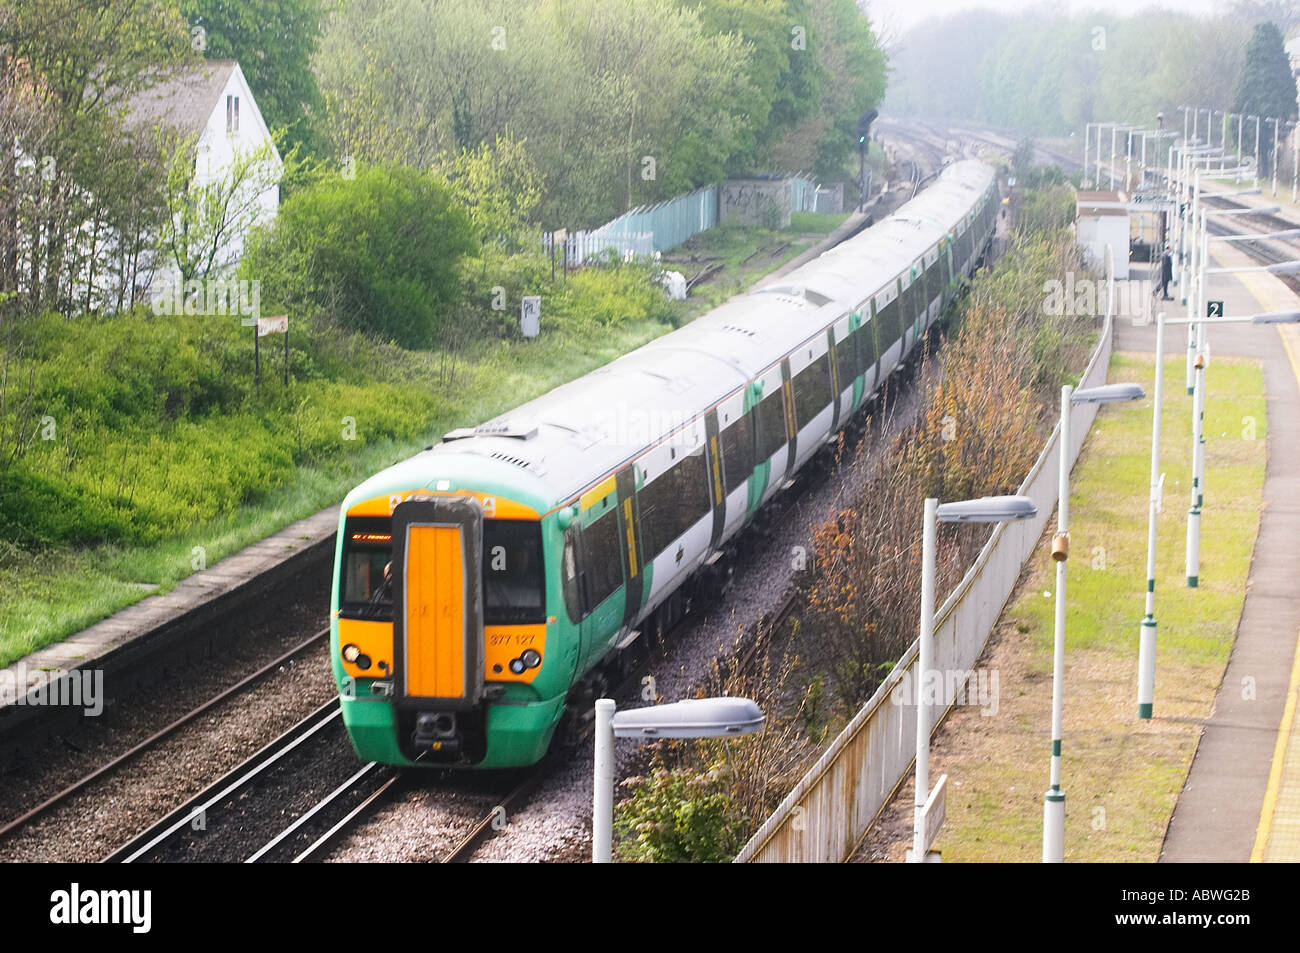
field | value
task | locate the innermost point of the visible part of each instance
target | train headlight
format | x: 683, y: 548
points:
x: 531, y: 658
x: 517, y: 666
x: 351, y: 653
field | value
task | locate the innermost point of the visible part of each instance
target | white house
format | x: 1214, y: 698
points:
x: 212, y: 101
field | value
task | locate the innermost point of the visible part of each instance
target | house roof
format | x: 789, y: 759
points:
x: 185, y: 99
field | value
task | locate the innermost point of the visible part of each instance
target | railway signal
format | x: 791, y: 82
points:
x: 864, y: 132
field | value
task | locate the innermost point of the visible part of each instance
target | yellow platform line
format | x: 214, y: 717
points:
x: 1286, y: 763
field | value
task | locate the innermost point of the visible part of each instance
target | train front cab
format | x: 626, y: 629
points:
x: 437, y: 666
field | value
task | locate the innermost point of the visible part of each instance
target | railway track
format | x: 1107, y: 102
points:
x: 280, y: 805
x: 1266, y: 252
x: 83, y: 783
x: 200, y: 828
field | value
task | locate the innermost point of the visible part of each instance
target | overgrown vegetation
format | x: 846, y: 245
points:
x: 127, y: 442
x: 699, y: 801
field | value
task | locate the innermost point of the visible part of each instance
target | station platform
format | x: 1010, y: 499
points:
x: 1241, y: 799
x: 115, y: 647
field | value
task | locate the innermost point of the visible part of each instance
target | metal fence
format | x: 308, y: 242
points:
x: 663, y: 225
x: 644, y: 230
x: 831, y: 808
x: 803, y: 193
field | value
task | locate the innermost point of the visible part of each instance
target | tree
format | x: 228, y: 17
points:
x: 76, y: 64
x: 1265, y: 86
x: 618, y: 104
x: 380, y: 253
x: 851, y: 81
x: 274, y: 41
x: 207, y: 222
x: 499, y: 188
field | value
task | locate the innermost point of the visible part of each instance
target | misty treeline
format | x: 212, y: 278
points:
x: 1048, y: 72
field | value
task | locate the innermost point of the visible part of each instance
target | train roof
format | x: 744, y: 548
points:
x: 578, y: 432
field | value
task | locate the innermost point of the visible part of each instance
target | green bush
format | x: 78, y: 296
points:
x: 680, y: 815
x: 380, y: 253
x: 612, y: 295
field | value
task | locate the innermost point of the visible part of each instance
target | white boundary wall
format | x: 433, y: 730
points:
x: 829, y: 811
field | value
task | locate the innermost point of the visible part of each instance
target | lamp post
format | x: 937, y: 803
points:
x: 1183, y: 202
x: 1256, y: 175
x: 694, y: 718
x: 988, y: 509
x: 1115, y: 129
x: 1147, y: 629
x: 1195, y: 255
x: 1200, y: 358
x: 1054, y: 797
x: 1241, y: 124
x: 1087, y: 134
x: 1295, y: 159
x: 1273, y: 161
x: 1193, y: 554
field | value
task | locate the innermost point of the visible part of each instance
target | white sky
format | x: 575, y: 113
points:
x: 907, y: 13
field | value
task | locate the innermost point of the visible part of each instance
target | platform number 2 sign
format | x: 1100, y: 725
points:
x: 1214, y: 309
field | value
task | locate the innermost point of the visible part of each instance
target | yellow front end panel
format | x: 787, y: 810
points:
x: 435, y: 612
x: 375, y: 640
x: 505, y: 643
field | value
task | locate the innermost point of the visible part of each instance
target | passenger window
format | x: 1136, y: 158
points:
x: 672, y: 503
x: 770, y: 421
x: 846, y: 365
x: 866, y: 338
x: 602, y: 559
x: 737, y: 443
x: 569, y: 575
x: 890, y: 329
x: 812, y: 389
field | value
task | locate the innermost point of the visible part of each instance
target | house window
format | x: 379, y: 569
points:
x: 232, y: 115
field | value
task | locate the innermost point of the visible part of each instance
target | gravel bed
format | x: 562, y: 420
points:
x: 96, y: 821
x: 427, y: 819
x: 128, y: 721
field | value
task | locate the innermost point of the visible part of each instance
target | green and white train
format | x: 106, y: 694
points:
x: 482, y: 583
